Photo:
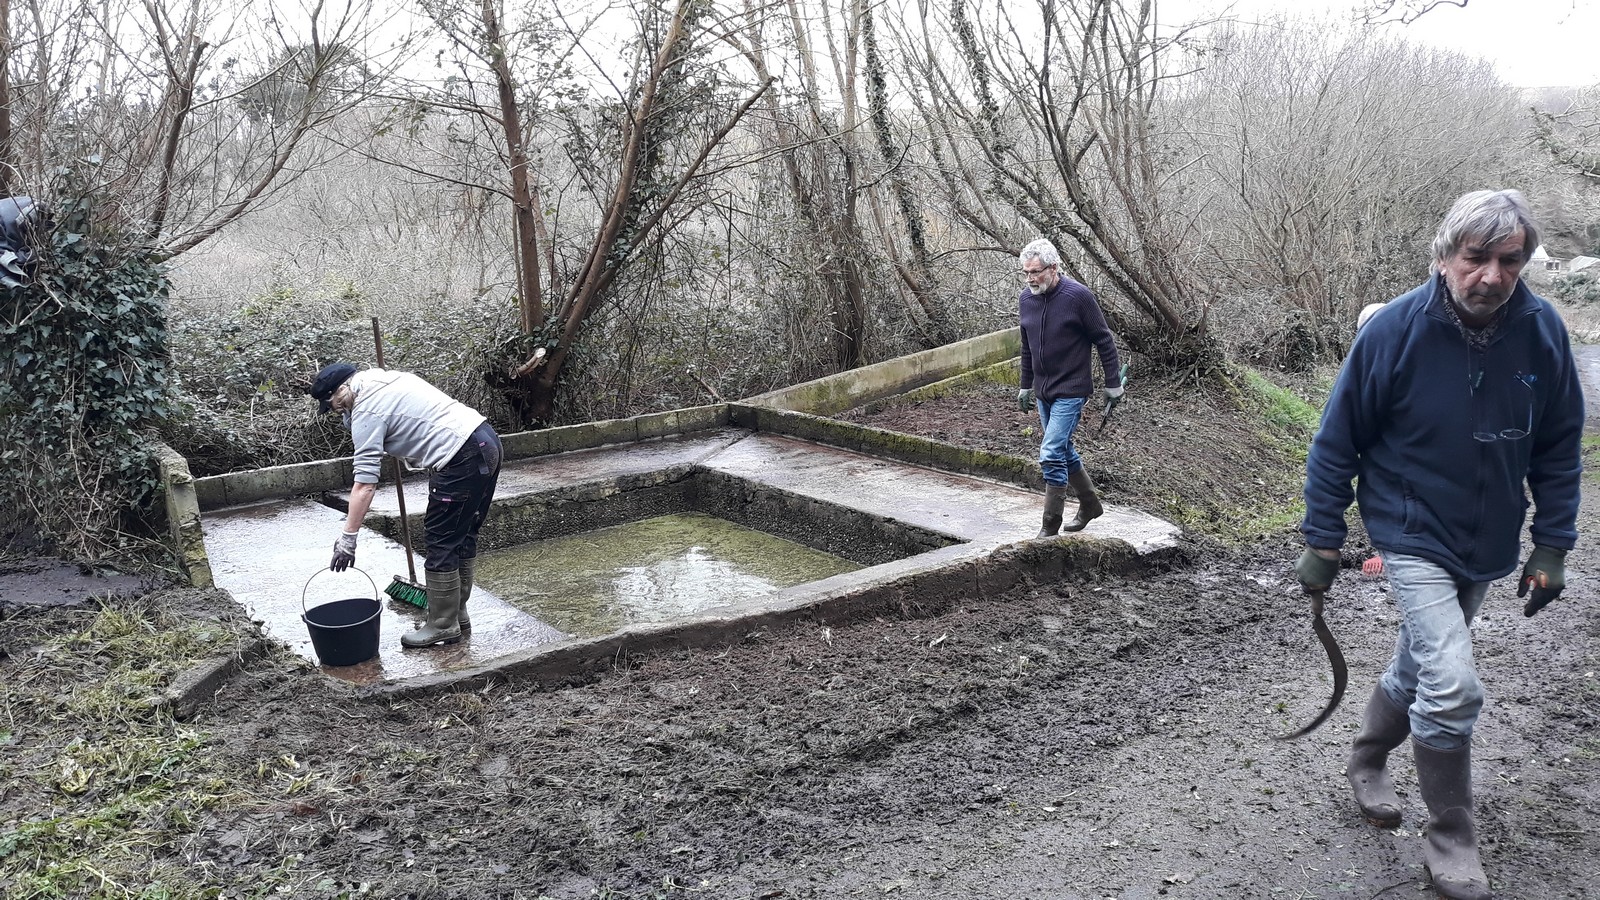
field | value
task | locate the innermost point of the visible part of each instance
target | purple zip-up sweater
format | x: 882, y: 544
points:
x: 1059, y: 327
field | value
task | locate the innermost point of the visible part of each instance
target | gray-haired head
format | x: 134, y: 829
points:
x: 1485, y: 218
x: 1042, y: 250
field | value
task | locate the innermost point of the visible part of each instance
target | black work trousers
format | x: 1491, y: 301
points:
x: 459, y: 495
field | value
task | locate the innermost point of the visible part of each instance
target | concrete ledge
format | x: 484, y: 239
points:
x: 835, y: 393
x: 330, y: 475
x: 907, y: 448
x: 275, y: 483
x: 183, y: 516
x: 199, y: 683
x: 922, y: 593
x: 589, y: 435
x: 1007, y: 373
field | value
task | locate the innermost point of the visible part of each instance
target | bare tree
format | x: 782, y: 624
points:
x: 1571, y: 136
x: 1403, y: 11
x: 1049, y: 127
x: 149, y: 96
x: 638, y: 155
x: 1324, y: 156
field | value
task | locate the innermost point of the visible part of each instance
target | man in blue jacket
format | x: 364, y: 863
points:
x: 1061, y: 325
x: 1461, y: 392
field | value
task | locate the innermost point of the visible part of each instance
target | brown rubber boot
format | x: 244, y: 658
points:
x: 1445, y: 777
x: 1088, y: 501
x: 1383, y: 728
x: 444, y: 604
x: 1055, y: 500
x: 466, y: 593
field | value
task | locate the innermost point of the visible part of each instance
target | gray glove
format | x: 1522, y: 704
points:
x: 1315, y: 571
x: 1114, y: 393
x: 1025, y: 399
x: 344, y: 551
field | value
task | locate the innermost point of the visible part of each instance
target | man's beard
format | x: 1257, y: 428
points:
x: 1481, y: 306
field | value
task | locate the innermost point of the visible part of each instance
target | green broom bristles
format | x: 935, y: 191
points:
x: 406, y: 592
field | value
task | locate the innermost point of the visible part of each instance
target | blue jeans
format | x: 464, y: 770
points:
x: 1432, y: 673
x: 1057, y: 458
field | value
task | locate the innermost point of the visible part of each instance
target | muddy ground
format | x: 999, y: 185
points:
x: 1085, y: 738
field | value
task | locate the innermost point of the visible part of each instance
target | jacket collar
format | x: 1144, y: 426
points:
x: 1521, y: 303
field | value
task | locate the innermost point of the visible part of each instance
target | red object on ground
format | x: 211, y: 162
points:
x: 1373, y: 567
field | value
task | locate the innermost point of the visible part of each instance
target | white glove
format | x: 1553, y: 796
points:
x: 1113, y: 393
x: 1025, y: 399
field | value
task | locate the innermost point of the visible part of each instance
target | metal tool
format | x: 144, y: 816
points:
x: 1112, y: 403
x: 1341, y: 674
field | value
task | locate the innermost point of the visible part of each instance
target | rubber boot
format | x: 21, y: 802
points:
x: 466, y: 593
x: 1383, y: 728
x: 444, y: 604
x: 1445, y: 777
x: 1088, y: 501
x: 1055, y: 499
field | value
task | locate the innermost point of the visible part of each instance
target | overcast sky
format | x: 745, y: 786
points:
x: 1533, y: 43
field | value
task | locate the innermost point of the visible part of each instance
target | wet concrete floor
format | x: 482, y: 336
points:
x: 273, y: 557
x: 269, y: 555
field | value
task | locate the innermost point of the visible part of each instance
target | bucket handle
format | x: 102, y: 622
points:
x: 303, y: 590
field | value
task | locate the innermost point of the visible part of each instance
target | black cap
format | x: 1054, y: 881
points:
x: 328, y: 381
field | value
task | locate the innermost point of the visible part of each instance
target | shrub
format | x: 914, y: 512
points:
x: 1578, y: 288
x: 85, y: 370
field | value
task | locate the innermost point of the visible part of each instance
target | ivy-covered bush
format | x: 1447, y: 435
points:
x: 239, y: 379
x: 83, y: 350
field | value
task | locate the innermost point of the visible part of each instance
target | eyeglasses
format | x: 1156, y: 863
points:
x: 1034, y: 273
x: 1507, y: 434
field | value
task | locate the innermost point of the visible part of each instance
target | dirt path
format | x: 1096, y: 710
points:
x: 1077, y: 739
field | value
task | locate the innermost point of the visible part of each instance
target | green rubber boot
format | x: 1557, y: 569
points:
x: 1451, y: 851
x: 1088, y: 501
x: 1383, y: 728
x: 1055, y: 499
x: 444, y: 605
x: 466, y: 593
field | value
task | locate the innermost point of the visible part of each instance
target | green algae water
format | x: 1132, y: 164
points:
x: 648, y: 571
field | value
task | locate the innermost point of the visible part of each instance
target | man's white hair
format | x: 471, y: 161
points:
x: 1042, y: 250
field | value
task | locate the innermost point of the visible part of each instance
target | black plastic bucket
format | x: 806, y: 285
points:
x: 343, y: 632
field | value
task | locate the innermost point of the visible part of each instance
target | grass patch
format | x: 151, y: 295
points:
x: 1291, y: 419
x: 104, y: 781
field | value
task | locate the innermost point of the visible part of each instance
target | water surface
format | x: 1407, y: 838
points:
x: 649, y: 571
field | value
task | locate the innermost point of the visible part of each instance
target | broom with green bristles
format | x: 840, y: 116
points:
x: 402, y: 589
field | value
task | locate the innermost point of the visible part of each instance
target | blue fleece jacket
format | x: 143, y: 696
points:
x: 1059, y: 328
x: 1402, y: 417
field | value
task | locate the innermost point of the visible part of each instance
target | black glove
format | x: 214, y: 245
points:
x: 344, y: 551
x: 1316, y: 572
x: 1546, y: 573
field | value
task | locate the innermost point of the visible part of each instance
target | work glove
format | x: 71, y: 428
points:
x: 1113, y: 393
x: 1546, y: 573
x: 1315, y: 571
x: 344, y: 551
x: 1025, y: 400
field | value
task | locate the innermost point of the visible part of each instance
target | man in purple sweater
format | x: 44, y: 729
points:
x: 1061, y: 323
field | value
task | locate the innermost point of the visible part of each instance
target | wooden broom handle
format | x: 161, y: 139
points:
x: 399, y: 486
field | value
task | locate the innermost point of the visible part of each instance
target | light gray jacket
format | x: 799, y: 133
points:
x: 402, y: 415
